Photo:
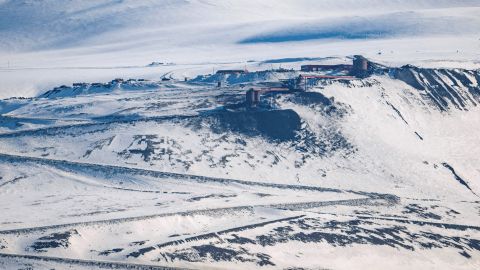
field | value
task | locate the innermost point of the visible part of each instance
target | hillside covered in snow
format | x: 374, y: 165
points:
x: 158, y: 170
x: 202, y: 134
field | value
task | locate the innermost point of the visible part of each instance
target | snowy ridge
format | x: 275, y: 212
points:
x: 446, y: 88
x: 159, y: 169
x: 98, y: 88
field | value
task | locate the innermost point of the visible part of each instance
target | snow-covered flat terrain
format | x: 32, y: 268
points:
x: 50, y: 42
x: 130, y: 137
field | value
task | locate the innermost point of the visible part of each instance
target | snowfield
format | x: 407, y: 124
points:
x: 145, y: 173
x: 121, y: 147
x: 48, y: 43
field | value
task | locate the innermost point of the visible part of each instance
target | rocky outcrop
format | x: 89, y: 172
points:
x: 445, y: 88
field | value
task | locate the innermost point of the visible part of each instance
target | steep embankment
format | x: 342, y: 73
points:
x: 425, y: 135
x: 445, y: 88
x: 376, y: 134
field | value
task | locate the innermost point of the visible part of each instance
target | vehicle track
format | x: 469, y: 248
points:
x: 74, y: 166
x: 111, y: 120
x: 371, y: 198
x: 128, y: 219
x: 88, y: 263
x: 453, y: 226
x: 204, y: 236
x: 217, y: 211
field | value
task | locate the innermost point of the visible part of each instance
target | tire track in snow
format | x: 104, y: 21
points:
x: 73, y: 166
x: 14, y: 180
x: 204, y: 236
x: 128, y: 219
x: 442, y: 225
x: 106, y: 121
x: 207, y: 211
x: 371, y: 198
x: 87, y: 263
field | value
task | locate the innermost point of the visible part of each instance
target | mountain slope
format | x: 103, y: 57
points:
x: 420, y: 108
x: 182, y: 174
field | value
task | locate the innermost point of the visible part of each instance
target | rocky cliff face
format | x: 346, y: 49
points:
x: 445, y: 88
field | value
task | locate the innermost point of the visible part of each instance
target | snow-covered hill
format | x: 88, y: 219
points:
x: 173, y: 173
x: 122, y: 147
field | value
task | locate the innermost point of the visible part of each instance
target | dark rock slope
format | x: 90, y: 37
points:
x: 445, y: 88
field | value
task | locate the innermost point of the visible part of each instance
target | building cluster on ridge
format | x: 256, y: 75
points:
x: 357, y: 70
x: 309, y: 75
